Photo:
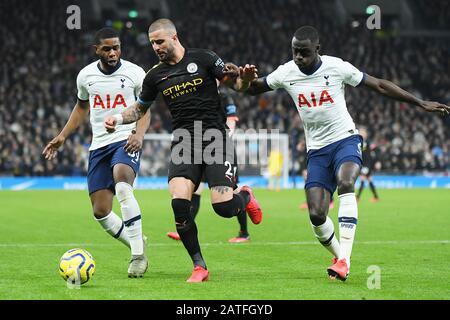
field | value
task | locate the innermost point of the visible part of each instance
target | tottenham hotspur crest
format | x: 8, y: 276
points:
x: 192, y: 67
x: 326, y: 79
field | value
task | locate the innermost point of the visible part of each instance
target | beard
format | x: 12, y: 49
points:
x: 166, y: 56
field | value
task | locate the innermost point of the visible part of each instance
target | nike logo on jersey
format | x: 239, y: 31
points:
x: 90, y: 84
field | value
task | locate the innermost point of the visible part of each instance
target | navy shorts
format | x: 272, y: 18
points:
x: 222, y: 173
x: 102, y: 161
x: 323, y: 163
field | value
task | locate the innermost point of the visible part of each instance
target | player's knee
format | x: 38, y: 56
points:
x: 317, y: 219
x: 317, y: 216
x: 101, y: 210
x: 346, y: 186
x: 124, y: 191
x: 181, y: 210
x: 224, y: 209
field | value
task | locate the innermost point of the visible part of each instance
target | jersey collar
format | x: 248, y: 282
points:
x: 111, y: 71
x: 316, y: 67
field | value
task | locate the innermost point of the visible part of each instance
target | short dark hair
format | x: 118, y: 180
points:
x: 164, y: 24
x: 105, y: 33
x: 307, y: 32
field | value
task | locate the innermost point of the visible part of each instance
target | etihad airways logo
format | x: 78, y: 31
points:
x: 183, y: 88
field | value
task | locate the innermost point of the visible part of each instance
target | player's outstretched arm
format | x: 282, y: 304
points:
x: 258, y: 86
x: 389, y: 89
x: 79, y: 113
x: 136, y: 139
x: 133, y: 114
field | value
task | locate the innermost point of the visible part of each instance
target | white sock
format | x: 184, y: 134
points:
x: 325, y: 234
x: 131, y: 214
x: 348, y: 218
x: 113, y: 225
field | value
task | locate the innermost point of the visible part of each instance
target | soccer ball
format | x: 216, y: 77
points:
x: 76, y: 266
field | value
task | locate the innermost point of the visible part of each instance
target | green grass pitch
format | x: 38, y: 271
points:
x: 406, y: 236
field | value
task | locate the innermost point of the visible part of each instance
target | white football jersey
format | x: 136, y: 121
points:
x: 109, y: 94
x: 319, y: 98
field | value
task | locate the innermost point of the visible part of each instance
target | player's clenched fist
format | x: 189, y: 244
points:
x: 110, y: 123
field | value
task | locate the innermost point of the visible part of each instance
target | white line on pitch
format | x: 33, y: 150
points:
x: 255, y: 243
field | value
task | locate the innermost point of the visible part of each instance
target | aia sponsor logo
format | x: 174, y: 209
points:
x: 109, y: 103
x: 313, y: 100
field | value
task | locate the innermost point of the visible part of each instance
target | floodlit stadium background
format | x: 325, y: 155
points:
x: 41, y: 57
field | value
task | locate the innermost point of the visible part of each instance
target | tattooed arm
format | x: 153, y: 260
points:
x: 133, y: 114
x: 139, y: 108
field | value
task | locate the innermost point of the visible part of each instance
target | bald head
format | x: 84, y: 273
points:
x: 163, y: 24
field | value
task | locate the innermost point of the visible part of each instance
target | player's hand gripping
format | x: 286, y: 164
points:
x: 231, y: 70
x: 134, y: 142
x: 432, y: 106
x: 248, y: 73
x: 51, y: 149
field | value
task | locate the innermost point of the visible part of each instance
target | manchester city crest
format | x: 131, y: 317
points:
x: 192, y: 67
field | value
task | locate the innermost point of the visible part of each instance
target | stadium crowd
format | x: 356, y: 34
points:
x: 41, y: 58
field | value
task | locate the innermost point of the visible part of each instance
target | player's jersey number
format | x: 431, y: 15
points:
x: 231, y: 171
x: 134, y: 156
